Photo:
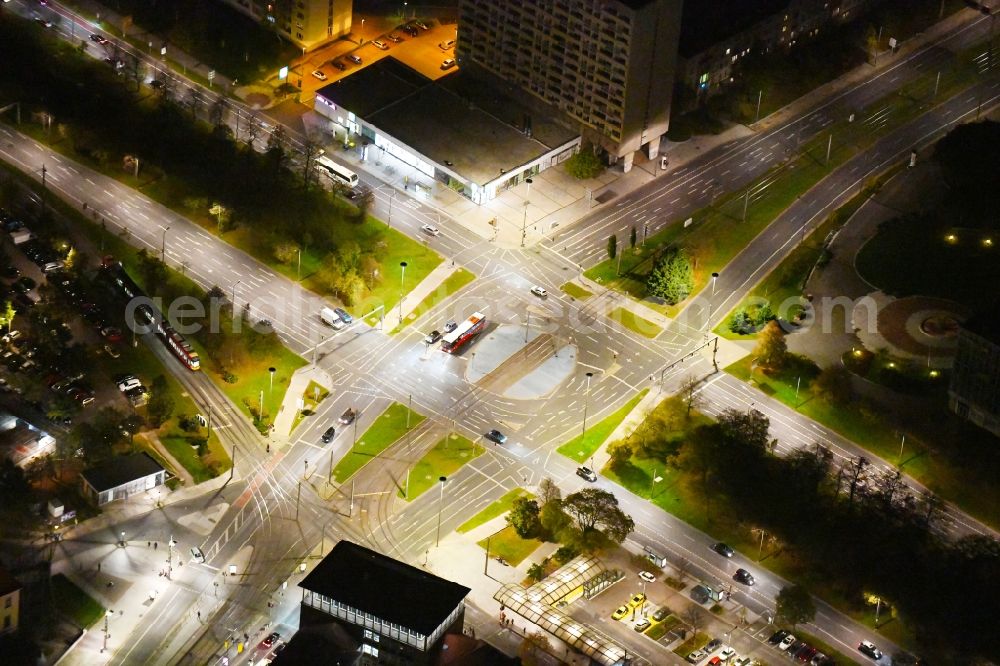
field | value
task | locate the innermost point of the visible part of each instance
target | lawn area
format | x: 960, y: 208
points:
x: 576, y: 291
x: 970, y: 487
x: 388, y: 427
x: 446, y: 458
x: 451, y: 284
x: 635, y: 323
x: 311, y: 397
x: 508, y: 545
x: 74, y: 603
x: 660, y: 629
x: 581, y: 447
x: 694, y: 642
x: 498, y: 508
x: 253, y: 380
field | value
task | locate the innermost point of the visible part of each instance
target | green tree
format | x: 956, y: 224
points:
x: 585, y: 164
x: 532, y: 647
x: 672, y: 277
x: 524, y: 517
x: 286, y: 252
x: 161, y: 403
x: 632, y: 237
x: 833, y: 384
x: 7, y: 318
x: 593, y: 509
x: 620, y: 453
x: 740, y: 322
x: 536, y: 572
x: 771, y: 350
x: 795, y: 606
x: 548, y: 492
x: 554, y: 520
x: 612, y: 246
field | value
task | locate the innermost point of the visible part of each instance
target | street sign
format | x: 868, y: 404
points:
x: 163, y: 51
x: 283, y: 73
x: 211, y: 74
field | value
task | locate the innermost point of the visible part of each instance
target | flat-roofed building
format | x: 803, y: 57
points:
x: 605, y: 67
x: 121, y: 478
x: 10, y: 602
x: 306, y: 23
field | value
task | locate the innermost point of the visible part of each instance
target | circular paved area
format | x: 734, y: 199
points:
x: 916, y: 327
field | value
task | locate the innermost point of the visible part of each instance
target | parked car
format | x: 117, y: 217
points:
x: 420, y: 24
x: 713, y: 645
x: 696, y: 656
x: 723, y: 549
x: 344, y: 315
x: 648, y: 577
x: 586, y: 473
x: 355, y: 59
x: 112, y: 333
x: 410, y: 30
x: 805, y: 655
x: 347, y: 418
x: 744, y: 576
x: 868, y: 649
x: 432, y: 337
x: 742, y: 661
x: 328, y: 435
x: 638, y: 599
x: 786, y: 642
x: 620, y: 612
x: 337, y: 65
x: 496, y: 436
x: 447, y: 63
x: 661, y: 614
x: 777, y: 637
x: 642, y: 625
x: 379, y: 44
x: 318, y: 73
x: 726, y: 653
x: 394, y: 38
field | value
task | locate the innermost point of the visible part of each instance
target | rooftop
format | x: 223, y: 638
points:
x: 707, y: 22
x: 475, y: 132
x: 121, y: 470
x: 8, y: 583
x: 363, y: 579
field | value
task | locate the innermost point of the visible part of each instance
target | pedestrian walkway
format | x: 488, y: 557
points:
x: 291, y: 405
x: 415, y: 296
x: 178, y: 469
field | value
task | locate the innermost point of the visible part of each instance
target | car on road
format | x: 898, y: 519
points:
x: 99, y: 39
x: 742, y: 661
x: 269, y: 641
x: 355, y: 59
x: 786, y: 642
x: 638, y: 599
x: 868, y: 649
x: 379, y: 44
x: 726, y: 653
x: 318, y: 73
x: 344, y: 315
x: 642, y: 625
x: 450, y: 326
x: 538, y: 291
x: 197, y: 555
x: 347, y: 418
x: 432, y: 337
x: 648, y: 577
x: 447, y: 63
x: 620, y: 612
x: 744, y: 576
x: 45, y: 23
x: 328, y: 435
x: 697, y: 656
x: 586, y: 473
x: 430, y: 230
x: 723, y: 549
x: 496, y: 436
x: 777, y: 637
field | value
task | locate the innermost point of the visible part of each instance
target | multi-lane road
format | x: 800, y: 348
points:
x: 370, y: 369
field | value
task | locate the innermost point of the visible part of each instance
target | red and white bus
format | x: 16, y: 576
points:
x: 468, y: 329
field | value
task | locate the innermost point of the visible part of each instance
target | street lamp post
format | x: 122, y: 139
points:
x: 163, y: 245
x: 402, y: 289
x: 711, y: 301
x: 437, y: 540
x: 298, y: 269
x: 121, y: 539
x: 233, y: 300
x: 524, y: 220
x: 586, y: 404
x: 107, y: 615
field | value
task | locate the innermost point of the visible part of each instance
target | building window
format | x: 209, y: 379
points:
x: 6, y: 622
x: 368, y: 649
x: 7, y: 602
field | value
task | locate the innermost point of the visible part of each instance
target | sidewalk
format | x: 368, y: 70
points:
x: 415, y: 296
x: 296, y: 388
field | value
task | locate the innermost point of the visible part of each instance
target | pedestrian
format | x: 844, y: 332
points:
x: 199, y: 616
x: 148, y: 544
x: 156, y: 545
x: 85, y: 205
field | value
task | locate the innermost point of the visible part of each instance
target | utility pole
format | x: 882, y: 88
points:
x: 437, y: 540
x: 527, y: 324
x: 746, y: 204
x: 586, y: 404
x: 409, y: 408
x: 298, y: 496
x: 760, y: 96
x: 233, y: 468
x: 829, y: 146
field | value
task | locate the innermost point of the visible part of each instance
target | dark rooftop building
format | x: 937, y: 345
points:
x: 121, y: 477
x: 396, y: 613
x: 706, y: 22
x: 974, y: 393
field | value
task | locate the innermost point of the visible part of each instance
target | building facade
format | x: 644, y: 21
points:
x: 974, y: 393
x: 10, y: 602
x: 716, y: 35
x: 395, y: 613
x: 604, y: 66
x: 121, y: 478
x: 306, y: 23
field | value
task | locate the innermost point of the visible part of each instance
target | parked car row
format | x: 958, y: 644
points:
x: 132, y: 387
x: 798, y: 650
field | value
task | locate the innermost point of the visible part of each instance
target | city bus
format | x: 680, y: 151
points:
x: 468, y: 329
x: 337, y: 172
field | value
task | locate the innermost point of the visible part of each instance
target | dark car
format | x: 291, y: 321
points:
x: 10, y: 272
x: 410, y: 30
x: 355, y: 59
x: 269, y: 641
x: 723, y: 549
x: 328, y: 435
x: 347, y: 418
x: 744, y: 576
x: 344, y: 316
x: 777, y: 637
x: 99, y: 39
x: 395, y: 39
x: 794, y: 648
x: 432, y: 337
x: 337, y: 65
x: 496, y: 436
x: 420, y: 24
x: 586, y: 473
x: 713, y: 645
x: 868, y: 649
x: 450, y: 326
x: 805, y: 655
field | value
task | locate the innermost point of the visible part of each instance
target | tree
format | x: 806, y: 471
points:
x: 161, y: 403
x: 612, y: 246
x: 749, y: 428
x: 286, y: 252
x: 524, y: 518
x: 833, y: 385
x: 620, y: 453
x: 532, y: 646
x: 771, y: 350
x: 536, y: 572
x: 593, y: 509
x: 554, y: 520
x: 548, y: 492
x: 692, y: 615
x: 672, y: 277
x: 871, y: 41
x: 794, y: 605
x: 7, y: 318
x: 585, y: 164
x: 689, y: 394
x: 632, y: 237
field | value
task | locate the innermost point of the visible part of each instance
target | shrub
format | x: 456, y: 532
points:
x: 585, y: 164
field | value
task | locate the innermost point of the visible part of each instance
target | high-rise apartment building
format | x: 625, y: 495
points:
x: 306, y: 23
x: 606, y: 67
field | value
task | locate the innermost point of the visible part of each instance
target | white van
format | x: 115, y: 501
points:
x: 331, y: 318
x: 447, y: 45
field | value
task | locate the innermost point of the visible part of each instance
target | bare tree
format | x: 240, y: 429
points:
x: 855, y: 476
x: 690, y: 395
x: 309, y: 151
x: 194, y: 102
x: 217, y: 114
x: 548, y: 491
x: 532, y: 647
x: 890, y: 483
x: 933, y: 506
x: 692, y: 615
x: 683, y: 566
x: 253, y: 128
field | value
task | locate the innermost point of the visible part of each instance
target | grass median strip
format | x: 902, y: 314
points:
x: 581, y: 447
x: 635, y: 323
x: 576, y: 291
x: 508, y: 545
x: 451, y: 284
x: 497, y: 508
x: 388, y: 427
x: 447, y: 457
